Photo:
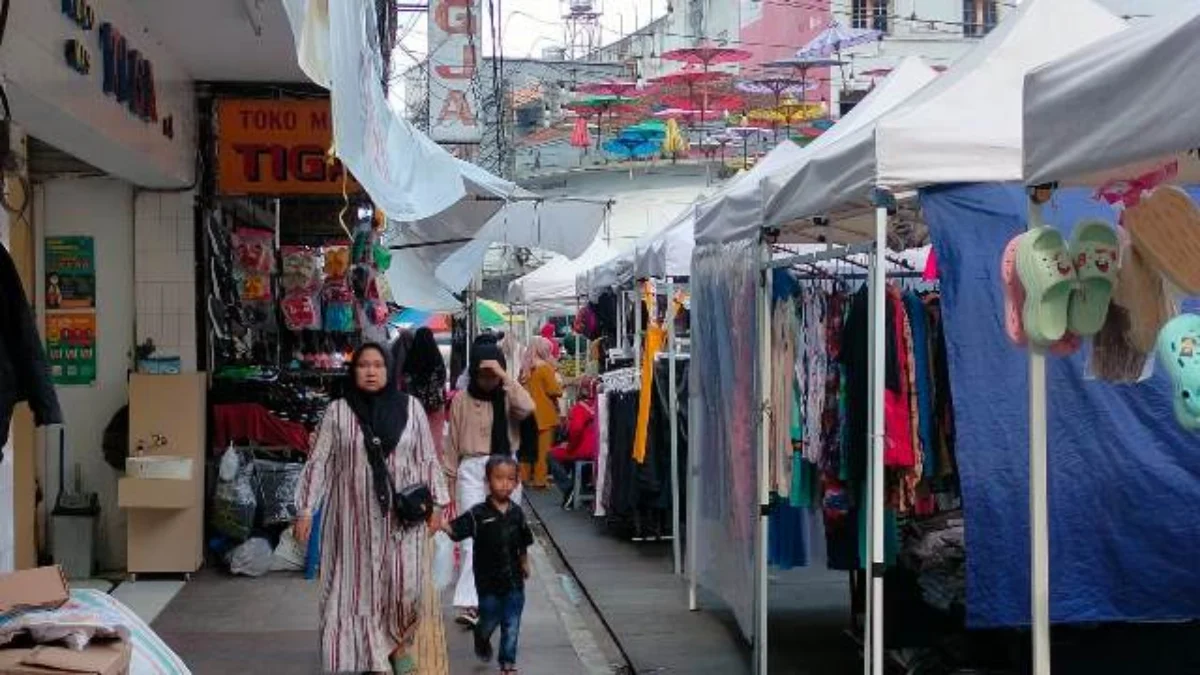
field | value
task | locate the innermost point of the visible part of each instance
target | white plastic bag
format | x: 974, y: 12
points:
x: 230, y: 463
x: 443, y: 561
x: 251, y: 559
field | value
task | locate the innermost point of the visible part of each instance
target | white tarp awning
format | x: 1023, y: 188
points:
x: 965, y: 127
x: 829, y: 169
x: 552, y: 287
x: 1108, y: 109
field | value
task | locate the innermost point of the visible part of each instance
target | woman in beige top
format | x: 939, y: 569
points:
x: 484, y: 420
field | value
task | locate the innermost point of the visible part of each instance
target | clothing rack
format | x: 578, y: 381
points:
x: 623, y: 380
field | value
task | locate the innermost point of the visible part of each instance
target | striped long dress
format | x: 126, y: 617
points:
x: 371, y: 567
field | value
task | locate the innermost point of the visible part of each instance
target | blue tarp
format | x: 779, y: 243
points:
x: 1124, y: 478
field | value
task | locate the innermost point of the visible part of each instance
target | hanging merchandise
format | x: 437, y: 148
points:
x: 1014, y: 306
x: 1165, y: 228
x: 338, y: 300
x: 1179, y: 351
x: 301, y: 269
x: 337, y: 261
x: 301, y: 311
x: 655, y: 336
x: 253, y: 250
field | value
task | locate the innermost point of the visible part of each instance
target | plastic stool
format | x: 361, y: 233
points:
x: 578, y: 494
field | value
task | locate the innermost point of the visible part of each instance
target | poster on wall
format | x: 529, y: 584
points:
x: 71, y: 347
x: 277, y: 147
x: 70, y: 273
x: 454, y: 37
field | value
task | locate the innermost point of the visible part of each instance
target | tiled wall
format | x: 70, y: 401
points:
x: 164, y: 263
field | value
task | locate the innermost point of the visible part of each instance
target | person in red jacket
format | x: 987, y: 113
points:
x: 582, y: 439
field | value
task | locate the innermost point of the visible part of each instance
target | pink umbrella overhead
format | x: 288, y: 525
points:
x: 707, y: 56
x: 707, y: 104
x: 691, y: 75
x: 624, y: 88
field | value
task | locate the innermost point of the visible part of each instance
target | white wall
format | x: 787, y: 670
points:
x: 145, y: 288
x: 54, y: 103
x: 101, y: 208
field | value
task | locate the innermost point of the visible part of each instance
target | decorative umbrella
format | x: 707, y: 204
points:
x: 802, y: 66
x: 775, y: 86
x: 491, y: 314
x: 707, y: 55
x: 614, y: 88
x: 632, y: 146
x: 418, y: 318
x: 714, y: 103
x: 712, y: 144
x: 835, y: 38
x: 745, y: 133
x: 601, y: 105
x: 675, y: 144
x: 580, y: 137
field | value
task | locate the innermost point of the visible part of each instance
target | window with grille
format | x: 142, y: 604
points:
x: 870, y: 14
x: 979, y: 17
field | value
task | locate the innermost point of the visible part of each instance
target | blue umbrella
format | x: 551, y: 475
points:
x: 632, y: 146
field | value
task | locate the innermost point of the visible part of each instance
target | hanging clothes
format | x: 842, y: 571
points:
x: 655, y: 336
x: 923, y: 372
x: 783, y: 397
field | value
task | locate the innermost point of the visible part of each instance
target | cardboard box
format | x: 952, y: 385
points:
x: 99, y: 658
x: 41, y: 588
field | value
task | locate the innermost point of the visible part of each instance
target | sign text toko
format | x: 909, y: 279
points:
x: 277, y: 147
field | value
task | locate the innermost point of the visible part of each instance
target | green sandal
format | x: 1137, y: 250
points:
x: 1049, y: 278
x: 1096, y: 252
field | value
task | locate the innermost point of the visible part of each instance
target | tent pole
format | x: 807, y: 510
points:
x: 637, y: 325
x: 693, y: 479
x: 868, y: 495
x: 764, y: 496
x: 676, y: 540
x: 1039, y: 529
x: 879, y: 358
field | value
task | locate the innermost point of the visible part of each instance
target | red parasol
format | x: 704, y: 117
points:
x: 580, y: 137
x: 623, y: 88
x: 691, y: 75
x: 707, y: 56
x: 707, y: 104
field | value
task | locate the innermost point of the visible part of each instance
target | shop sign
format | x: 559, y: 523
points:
x: 128, y: 76
x: 454, y: 36
x: 273, y: 147
x: 71, y: 347
x: 70, y: 273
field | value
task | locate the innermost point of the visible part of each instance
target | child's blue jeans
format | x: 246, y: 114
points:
x: 503, y: 611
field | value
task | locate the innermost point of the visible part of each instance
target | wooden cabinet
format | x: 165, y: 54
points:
x: 166, y: 517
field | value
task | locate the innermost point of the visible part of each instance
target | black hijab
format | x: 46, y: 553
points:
x: 382, y: 416
x: 500, y: 444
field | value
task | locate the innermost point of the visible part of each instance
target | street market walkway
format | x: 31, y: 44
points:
x: 645, y: 605
x: 221, y: 624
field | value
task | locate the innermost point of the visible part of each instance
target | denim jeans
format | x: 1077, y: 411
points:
x: 503, y: 611
x: 563, y: 473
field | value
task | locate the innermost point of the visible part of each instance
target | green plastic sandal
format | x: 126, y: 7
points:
x: 1049, y: 277
x: 1096, y: 253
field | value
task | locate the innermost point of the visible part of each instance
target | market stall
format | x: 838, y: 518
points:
x: 901, y: 148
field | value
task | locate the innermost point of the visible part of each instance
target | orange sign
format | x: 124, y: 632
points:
x: 267, y: 147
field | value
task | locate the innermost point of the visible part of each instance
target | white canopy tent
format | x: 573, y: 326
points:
x: 668, y: 252
x: 964, y: 126
x: 551, y: 287
x: 1112, y: 108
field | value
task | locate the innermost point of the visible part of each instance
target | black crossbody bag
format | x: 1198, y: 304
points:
x: 412, y: 504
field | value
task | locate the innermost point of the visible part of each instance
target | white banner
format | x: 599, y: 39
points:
x: 454, y: 42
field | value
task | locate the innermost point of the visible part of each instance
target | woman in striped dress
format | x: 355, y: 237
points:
x: 371, y: 564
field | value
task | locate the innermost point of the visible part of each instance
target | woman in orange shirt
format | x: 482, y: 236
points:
x: 541, y: 381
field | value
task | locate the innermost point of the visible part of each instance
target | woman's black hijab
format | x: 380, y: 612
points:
x: 424, y: 357
x: 500, y: 443
x: 382, y: 416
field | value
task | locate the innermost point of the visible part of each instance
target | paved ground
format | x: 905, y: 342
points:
x: 221, y: 624
x: 645, y: 605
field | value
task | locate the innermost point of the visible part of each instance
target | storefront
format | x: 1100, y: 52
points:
x: 100, y: 219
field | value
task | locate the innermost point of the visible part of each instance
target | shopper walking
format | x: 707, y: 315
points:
x: 371, y: 445
x: 502, y: 539
x: 541, y: 379
x: 425, y: 380
x: 484, y: 421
